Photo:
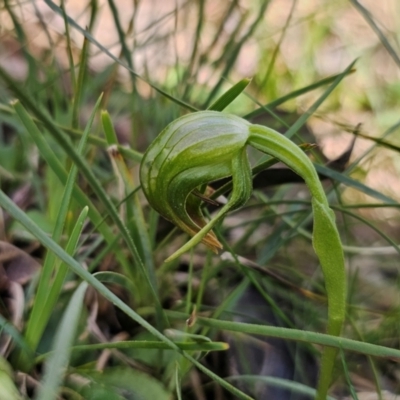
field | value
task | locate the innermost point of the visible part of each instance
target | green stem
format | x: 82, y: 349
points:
x: 326, y: 240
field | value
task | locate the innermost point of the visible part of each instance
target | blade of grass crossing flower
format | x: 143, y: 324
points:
x: 86, y: 170
x: 58, y: 362
x: 21, y: 217
x: 227, y: 98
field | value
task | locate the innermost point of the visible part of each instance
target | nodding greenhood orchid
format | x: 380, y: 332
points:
x: 205, y: 146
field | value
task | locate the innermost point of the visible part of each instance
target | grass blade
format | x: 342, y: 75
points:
x: 353, y: 183
x: 296, y: 335
x: 59, y: 359
x: 368, y: 17
x: 222, y: 102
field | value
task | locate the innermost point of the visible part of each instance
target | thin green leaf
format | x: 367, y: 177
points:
x: 292, y: 95
x: 353, y: 183
x: 227, y: 98
x: 303, y: 119
x: 80, y: 84
x: 368, y: 17
x: 144, y: 344
x: 231, y: 59
x: 295, y: 335
x: 59, y: 360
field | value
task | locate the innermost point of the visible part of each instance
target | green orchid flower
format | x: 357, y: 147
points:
x: 206, y: 146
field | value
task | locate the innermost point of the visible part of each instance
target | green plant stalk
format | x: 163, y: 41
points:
x: 292, y: 95
x: 326, y: 240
